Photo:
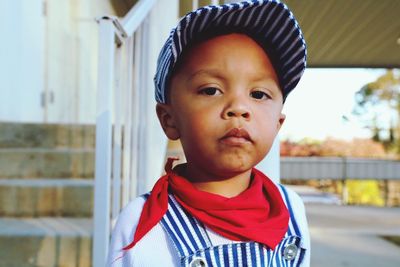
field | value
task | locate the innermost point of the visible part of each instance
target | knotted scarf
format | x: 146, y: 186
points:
x: 257, y: 214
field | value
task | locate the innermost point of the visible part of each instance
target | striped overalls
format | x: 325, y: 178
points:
x: 196, y: 250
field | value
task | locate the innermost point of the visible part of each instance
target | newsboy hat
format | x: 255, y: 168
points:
x: 269, y: 22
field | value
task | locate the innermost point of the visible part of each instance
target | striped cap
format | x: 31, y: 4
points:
x: 269, y: 22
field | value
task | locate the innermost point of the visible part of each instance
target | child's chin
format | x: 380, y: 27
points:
x: 235, y: 166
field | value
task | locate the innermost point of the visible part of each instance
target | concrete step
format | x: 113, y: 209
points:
x: 24, y: 135
x: 46, y: 197
x: 45, y: 242
x: 46, y: 162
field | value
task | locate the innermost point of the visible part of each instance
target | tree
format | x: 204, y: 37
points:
x: 378, y: 106
x: 330, y: 147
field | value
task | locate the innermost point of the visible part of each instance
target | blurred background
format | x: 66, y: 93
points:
x: 77, y: 114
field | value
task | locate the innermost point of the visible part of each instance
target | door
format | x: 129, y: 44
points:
x: 22, y: 61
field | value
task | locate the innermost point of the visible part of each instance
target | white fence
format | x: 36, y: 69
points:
x: 125, y: 136
x: 339, y: 168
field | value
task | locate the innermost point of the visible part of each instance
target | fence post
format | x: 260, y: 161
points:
x: 102, y: 182
x: 386, y: 190
x: 345, y: 193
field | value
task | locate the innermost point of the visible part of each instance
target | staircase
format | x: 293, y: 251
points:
x: 46, y: 195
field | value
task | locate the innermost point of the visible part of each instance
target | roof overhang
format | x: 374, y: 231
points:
x: 350, y: 33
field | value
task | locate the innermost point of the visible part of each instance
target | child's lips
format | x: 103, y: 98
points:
x: 236, y: 136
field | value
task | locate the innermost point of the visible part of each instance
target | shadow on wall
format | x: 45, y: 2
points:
x: 122, y: 7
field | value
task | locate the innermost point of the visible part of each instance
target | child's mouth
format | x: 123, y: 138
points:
x: 236, y: 136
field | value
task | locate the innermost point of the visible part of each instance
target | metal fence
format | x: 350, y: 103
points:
x: 339, y: 168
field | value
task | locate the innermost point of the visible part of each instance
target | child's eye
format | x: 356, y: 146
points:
x: 210, y: 91
x: 259, y: 95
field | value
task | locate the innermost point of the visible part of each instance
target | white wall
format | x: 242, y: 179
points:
x: 72, y: 45
x: 22, y: 63
x: 50, y: 47
x: 270, y: 165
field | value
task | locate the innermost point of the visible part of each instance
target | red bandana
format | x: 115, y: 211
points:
x: 258, y: 213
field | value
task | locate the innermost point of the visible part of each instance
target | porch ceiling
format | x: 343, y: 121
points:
x: 350, y: 33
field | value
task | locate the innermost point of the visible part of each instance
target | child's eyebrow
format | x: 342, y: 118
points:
x: 207, y: 72
x: 264, y: 78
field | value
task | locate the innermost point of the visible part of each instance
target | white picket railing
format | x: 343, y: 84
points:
x: 122, y: 77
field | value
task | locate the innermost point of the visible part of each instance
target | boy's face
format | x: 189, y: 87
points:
x: 225, y: 105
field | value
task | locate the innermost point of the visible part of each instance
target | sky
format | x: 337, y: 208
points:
x: 315, y: 108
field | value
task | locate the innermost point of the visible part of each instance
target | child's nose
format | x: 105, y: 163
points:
x: 236, y: 109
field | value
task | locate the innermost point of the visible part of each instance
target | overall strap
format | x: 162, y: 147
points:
x: 293, y: 230
x: 187, y: 233
x: 293, y: 226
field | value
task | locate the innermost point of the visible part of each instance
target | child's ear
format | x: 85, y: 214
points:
x: 281, y: 120
x: 167, y: 121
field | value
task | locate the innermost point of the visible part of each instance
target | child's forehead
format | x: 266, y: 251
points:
x: 234, y: 44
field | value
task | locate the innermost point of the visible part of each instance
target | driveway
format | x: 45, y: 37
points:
x: 349, y: 235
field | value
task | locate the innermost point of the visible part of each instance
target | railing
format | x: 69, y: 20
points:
x: 124, y: 82
x: 341, y: 169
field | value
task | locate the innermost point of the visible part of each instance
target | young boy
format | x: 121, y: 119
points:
x: 222, y: 78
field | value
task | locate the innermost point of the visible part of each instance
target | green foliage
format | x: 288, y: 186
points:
x: 378, y: 106
x: 364, y: 192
